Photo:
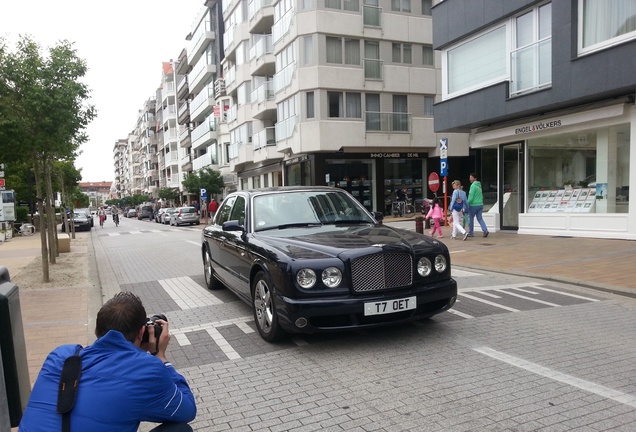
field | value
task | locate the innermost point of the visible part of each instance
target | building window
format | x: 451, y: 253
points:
x: 605, y: 22
x: 426, y: 7
x: 308, y: 42
x: 372, y: 115
x: 531, y: 58
x: 348, y: 5
x: 310, y: 105
x: 428, y: 59
x: 334, y: 100
x: 400, y: 113
x: 401, y: 5
x: 335, y: 50
x: 478, y: 62
x: 352, y: 51
x: 354, y: 109
x: 428, y: 105
x: 401, y: 53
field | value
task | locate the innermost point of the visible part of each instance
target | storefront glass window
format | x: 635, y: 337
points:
x: 403, y: 174
x: 582, y: 172
x: 354, y: 176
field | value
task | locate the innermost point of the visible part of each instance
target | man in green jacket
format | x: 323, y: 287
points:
x: 476, y: 206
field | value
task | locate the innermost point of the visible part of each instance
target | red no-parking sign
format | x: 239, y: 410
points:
x: 433, y: 182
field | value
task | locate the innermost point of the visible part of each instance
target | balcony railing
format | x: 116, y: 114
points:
x: 373, y: 69
x: 281, y: 27
x: 208, y: 125
x: 285, y: 128
x: 254, y: 6
x: 262, y: 45
x: 531, y: 67
x: 263, y: 93
x: 265, y: 137
x: 387, y: 122
x: 371, y: 16
x: 205, y: 160
x: 284, y: 78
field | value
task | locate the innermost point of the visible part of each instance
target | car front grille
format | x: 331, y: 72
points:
x: 381, y: 271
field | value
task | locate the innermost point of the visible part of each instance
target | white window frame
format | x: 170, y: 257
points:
x: 600, y: 45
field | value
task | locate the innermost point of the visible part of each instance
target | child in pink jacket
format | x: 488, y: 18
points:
x: 436, y: 213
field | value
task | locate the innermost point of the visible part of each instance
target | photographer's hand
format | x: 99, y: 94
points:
x: 164, y: 340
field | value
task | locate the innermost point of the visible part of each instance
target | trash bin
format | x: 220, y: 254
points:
x: 13, y: 349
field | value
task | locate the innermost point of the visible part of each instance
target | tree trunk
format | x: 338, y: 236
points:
x: 50, y: 207
x: 40, y: 207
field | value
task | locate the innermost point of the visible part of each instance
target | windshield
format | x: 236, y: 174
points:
x: 301, y: 208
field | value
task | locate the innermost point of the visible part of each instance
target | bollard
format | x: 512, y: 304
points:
x: 13, y: 349
x: 419, y: 225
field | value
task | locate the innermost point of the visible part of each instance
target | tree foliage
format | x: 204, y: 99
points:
x: 206, y: 178
x: 169, y: 194
x: 43, y: 116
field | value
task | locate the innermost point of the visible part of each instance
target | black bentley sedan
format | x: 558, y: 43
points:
x: 313, y: 259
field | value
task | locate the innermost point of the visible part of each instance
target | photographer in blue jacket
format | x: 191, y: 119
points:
x: 125, y: 377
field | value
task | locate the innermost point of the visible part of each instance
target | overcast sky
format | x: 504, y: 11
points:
x: 124, y: 43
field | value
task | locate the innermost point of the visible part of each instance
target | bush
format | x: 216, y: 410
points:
x: 22, y: 214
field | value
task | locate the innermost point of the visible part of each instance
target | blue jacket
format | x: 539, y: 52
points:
x: 120, y: 387
x: 458, y: 193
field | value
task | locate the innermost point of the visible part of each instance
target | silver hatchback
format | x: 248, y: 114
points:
x: 185, y: 215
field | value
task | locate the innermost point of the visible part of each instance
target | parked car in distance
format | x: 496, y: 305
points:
x: 313, y: 259
x: 131, y: 213
x: 145, y: 212
x: 89, y: 215
x: 158, y: 214
x: 81, y: 221
x: 185, y: 215
x: 165, y: 217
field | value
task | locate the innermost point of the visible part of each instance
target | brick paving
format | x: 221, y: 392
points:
x: 438, y: 386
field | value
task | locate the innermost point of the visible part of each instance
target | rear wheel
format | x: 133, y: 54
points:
x: 208, y: 270
x: 264, y: 309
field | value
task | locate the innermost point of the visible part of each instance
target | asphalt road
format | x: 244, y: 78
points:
x: 514, y: 354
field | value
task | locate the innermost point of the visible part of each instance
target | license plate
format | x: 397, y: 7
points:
x: 390, y: 306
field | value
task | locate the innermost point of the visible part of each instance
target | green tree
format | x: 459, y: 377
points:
x: 43, y: 115
x: 206, y: 178
x: 168, y: 194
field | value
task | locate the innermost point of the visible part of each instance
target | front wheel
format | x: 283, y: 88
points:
x: 208, y: 271
x: 265, y: 315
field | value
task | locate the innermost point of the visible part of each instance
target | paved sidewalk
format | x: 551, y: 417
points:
x: 57, y: 315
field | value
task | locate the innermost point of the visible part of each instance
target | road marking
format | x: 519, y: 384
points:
x: 582, y: 384
x: 464, y: 273
x: 135, y: 232
x: 500, y: 287
x: 246, y: 329
x: 566, y: 294
x: 528, y: 298
x: 223, y: 344
x: 193, y: 242
x: 525, y: 291
x: 113, y: 234
x: 188, y: 294
x: 182, y: 339
x: 205, y: 326
x: 489, y: 303
x: 487, y: 294
x: 460, y: 314
x: 457, y: 251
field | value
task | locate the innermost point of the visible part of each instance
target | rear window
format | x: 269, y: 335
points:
x: 146, y: 208
x: 187, y: 210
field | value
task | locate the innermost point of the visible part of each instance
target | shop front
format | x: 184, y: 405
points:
x: 565, y: 174
x: 373, y: 178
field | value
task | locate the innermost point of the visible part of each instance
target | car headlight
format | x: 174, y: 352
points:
x: 424, y: 266
x: 306, y: 278
x: 331, y: 277
x: 440, y: 263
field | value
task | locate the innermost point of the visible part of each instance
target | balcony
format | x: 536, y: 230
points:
x: 531, y: 68
x: 265, y: 137
x: 202, y: 104
x: 281, y: 27
x: 204, y: 133
x: 284, y: 78
x: 387, y: 122
x: 204, y: 160
x: 171, y: 158
x: 203, y: 35
x: 182, y: 86
x: 184, y: 111
x: 186, y: 162
x: 201, y: 74
x: 285, y: 128
x: 262, y: 61
x: 261, y: 15
x: 263, y: 105
x: 184, y: 136
x: 371, y: 16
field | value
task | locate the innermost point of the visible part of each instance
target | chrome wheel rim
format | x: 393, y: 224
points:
x: 263, y: 306
x: 208, y: 268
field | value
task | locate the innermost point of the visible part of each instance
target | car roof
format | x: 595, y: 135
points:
x: 279, y: 189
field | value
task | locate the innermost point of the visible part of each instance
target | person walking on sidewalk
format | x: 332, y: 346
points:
x: 436, y: 213
x: 120, y: 383
x: 459, y: 205
x: 212, y: 208
x: 476, y: 206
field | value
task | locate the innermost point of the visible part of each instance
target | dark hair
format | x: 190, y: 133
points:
x: 124, y: 313
x: 435, y: 200
x: 474, y: 175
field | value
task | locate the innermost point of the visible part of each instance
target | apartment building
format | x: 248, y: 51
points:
x: 546, y: 91
x: 120, y: 162
x: 333, y: 92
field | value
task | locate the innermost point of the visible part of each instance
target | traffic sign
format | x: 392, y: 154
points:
x: 204, y: 194
x: 443, y: 157
x: 1, y: 182
x: 433, y: 182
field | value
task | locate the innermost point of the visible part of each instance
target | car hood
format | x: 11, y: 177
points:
x: 333, y: 241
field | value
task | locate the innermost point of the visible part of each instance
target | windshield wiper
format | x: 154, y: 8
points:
x: 299, y: 225
x: 349, y: 222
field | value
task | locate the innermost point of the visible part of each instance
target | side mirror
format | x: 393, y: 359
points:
x: 233, y: 225
x: 379, y: 216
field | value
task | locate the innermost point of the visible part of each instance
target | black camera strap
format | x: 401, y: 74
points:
x: 67, y: 390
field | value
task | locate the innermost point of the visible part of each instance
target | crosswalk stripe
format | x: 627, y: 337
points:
x: 528, y: 298
x: 489, y: 303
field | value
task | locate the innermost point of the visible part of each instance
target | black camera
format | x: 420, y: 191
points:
x: 158, y: 328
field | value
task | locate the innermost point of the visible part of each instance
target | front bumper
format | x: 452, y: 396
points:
x: 342, y: 313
